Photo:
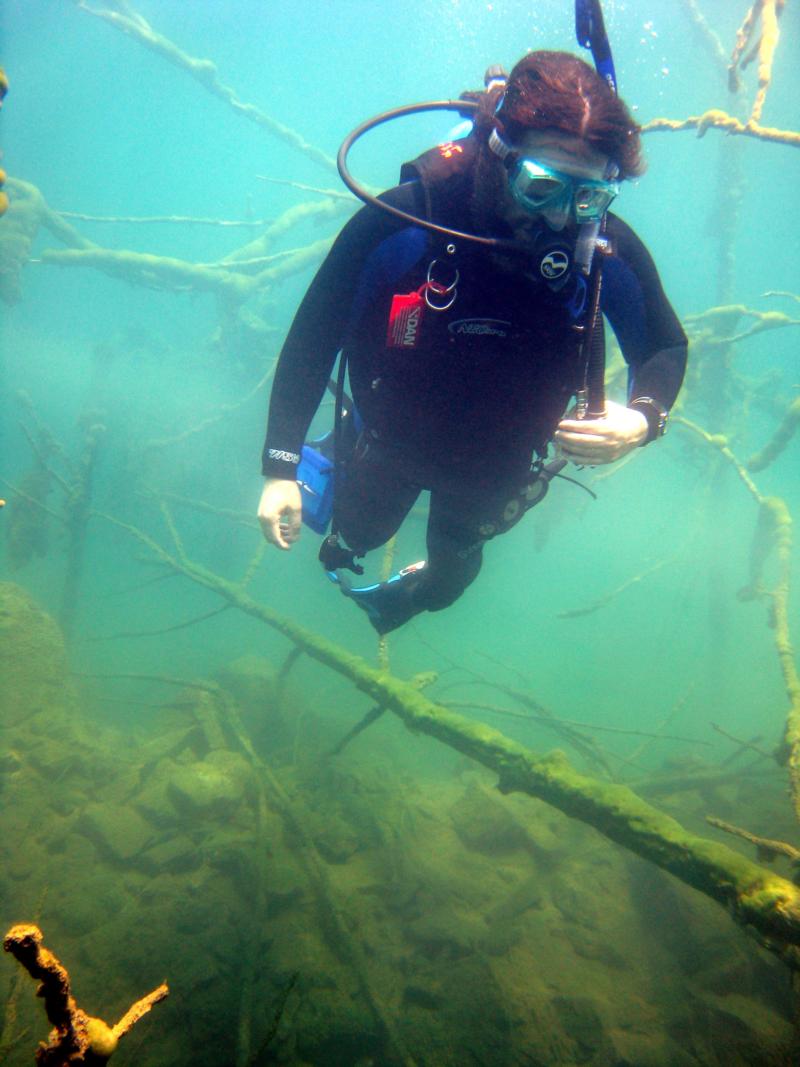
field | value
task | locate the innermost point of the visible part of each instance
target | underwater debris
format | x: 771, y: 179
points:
x: 780, y: 439
x: 765, y: 904
x: 764, y: 47
x: 773, y: 534
x: 601, y: 602
x: 21, y: 220
x: 718, y: 119
x: 277, y: 1018
x: 135, y: 26
x: 766, y: 848
x: 708, y: 37
x: 717, y: 325
x: 27, y: 213
x: 27, y: 533
x: 419, y: 681
x: 76, y: 1037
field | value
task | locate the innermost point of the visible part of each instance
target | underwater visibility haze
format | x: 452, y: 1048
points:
x: 554, y: 824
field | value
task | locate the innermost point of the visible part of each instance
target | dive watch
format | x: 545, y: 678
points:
x: 655, y: 414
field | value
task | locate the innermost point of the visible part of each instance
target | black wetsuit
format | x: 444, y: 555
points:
x: 481, y: 387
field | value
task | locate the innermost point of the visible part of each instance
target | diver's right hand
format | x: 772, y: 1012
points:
x: 279, y: 511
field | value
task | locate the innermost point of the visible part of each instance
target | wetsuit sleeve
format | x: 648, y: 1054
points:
x: 318, y: 332
x: 647, y: 328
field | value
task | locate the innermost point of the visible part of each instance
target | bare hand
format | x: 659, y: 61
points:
x: 591, y: 442
x: 279, y: 511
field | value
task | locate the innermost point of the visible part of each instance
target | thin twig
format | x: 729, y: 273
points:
x: 204, y: 71
x: 163, y: 630
x: 741, y: 743
x: 223, y: 412
x: 187, y: 220
x: 603, y: 601
x: 677, y: 707
x: 163, y: 679
x: 767, y: 848
x: 568, y: 722
x: 302, y: 187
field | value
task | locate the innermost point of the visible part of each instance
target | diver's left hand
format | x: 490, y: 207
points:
x: 591, y: 442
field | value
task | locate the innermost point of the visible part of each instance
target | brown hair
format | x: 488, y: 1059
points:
x: 559, y: 91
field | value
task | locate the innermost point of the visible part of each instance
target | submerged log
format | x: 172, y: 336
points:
x: 765, y: 904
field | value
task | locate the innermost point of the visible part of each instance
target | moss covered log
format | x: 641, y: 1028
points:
x: 767, y: 905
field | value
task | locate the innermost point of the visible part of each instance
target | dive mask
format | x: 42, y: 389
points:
x: 536, y: 186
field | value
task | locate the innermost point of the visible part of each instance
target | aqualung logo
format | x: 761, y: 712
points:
x: 554, y: 265
x: 480, y: 327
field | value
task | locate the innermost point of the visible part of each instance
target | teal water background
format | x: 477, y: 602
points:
x: 103, y: 127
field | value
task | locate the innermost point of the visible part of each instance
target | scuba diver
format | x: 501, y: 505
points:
x: 467, y: 302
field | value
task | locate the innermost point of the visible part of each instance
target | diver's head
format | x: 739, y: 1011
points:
x: 554, y: 177
x: 564, y: 140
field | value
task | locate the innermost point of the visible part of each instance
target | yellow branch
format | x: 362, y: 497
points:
x: 767, y: 905
x: 76, y: 1037
x: 773, y: 533
x: 721, y: 120
x: 166, y: 272
x: 205, y: 72
x: 764, y: 47
x: 707, y: 35
x: 720, y: 442
x: 143, y: 268
x: 770, y: 34
x: 780, y: 439
x: 766, y: 847
x: 743, y: 37
x: 776, y: 516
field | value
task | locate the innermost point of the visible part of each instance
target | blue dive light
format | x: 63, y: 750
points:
x: 315, y: 478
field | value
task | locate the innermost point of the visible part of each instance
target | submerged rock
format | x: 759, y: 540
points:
x: 118, y: 831
x: 212, y: 787
x: 33, y: 664
x: 483, y: 823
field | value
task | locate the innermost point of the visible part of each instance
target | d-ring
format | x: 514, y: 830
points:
x: 440, y: 289
x: 432, y: 281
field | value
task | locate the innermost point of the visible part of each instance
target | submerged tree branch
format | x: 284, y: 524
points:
x: 716, y: 118
x: 766, y: 847
x: 780, y: 439
x: 764, y: 903
x: 205, y: 72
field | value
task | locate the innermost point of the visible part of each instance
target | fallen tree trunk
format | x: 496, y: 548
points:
x: 765, y: 904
